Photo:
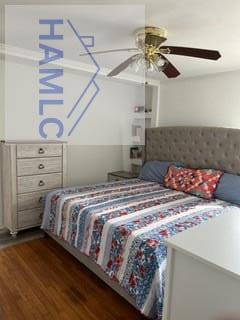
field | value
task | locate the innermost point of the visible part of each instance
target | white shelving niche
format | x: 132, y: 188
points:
x: 144, y: 117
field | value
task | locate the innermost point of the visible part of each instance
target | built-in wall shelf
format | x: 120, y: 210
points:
x: 147, y: 117
x: 143, y: 115
x: 137, y: 162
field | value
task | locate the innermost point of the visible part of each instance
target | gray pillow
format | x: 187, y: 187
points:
x: 156, y: 170
x: 228, y: 188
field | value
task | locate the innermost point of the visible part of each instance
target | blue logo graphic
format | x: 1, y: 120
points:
x: 51, y: 54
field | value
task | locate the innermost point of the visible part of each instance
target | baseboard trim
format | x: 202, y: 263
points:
x: 7, y: 240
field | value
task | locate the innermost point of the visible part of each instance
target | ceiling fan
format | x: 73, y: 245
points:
x: 151, y: 55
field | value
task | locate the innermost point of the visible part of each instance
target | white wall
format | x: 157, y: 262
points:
x: 1, y: 125
x: 205, y: 101
x: 90, y: 164
x: 109, y: 113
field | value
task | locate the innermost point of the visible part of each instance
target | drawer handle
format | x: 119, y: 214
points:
x: 41, y: 166
x: 40, y: 200
x: 41, y: 151
x: 41, y: 183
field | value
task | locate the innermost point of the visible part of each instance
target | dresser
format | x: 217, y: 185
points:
x: 203, y: 271
x: 29, y: 170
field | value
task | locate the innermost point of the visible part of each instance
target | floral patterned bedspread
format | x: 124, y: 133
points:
x: 122, y: 226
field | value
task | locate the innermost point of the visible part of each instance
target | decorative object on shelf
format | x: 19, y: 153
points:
x: 137, y: 130
x: 139, y: 109
x: 136, y: 152
x: 148, y: 110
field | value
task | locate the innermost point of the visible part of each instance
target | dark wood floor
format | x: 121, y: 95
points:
x: 39, y: 280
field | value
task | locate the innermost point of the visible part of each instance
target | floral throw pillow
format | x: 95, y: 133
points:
x: 199, y: 182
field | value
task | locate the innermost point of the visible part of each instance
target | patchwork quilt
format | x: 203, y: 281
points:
x: 122, y: 227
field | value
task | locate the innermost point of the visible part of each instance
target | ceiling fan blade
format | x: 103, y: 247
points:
x: 109, y: 51
x: 170, y: 70
x: 124, y: 65
x: 193, y: 52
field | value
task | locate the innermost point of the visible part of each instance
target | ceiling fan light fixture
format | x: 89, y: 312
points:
x: 151, y: 56
x: 143, y: 65
x: 149, y: 66
x: 138, y: 65
x: 161, y: 64
x: 153, y: 35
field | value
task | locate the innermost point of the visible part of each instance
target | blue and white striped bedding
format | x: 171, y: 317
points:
x: 122, y: 226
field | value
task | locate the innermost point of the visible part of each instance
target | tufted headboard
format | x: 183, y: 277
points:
x: 201, y: 147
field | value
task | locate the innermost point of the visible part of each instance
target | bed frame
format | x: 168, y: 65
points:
x: 94, y: 268
x: 196, y: 147
x: 202, y: 147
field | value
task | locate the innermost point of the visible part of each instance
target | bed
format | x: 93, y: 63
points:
x: 118, y: 229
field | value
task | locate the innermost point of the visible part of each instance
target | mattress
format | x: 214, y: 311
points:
x: 122, y: 226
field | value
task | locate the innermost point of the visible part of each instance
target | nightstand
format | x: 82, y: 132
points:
x: 121, y: 175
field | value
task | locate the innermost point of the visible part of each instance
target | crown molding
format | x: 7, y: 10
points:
x: 30, y: 55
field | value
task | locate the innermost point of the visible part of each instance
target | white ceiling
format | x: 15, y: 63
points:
x: 212, y: 24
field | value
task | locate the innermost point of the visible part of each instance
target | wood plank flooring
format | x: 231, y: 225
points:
x: 39, y: 280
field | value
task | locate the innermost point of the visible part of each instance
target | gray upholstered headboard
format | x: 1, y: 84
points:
x: 202, y: 147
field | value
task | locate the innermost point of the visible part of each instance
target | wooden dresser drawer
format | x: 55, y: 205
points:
x: 29, y: 218
x: 39, y: 182
x: 26, y: 167
x: 30, y: 169
x: 39, y: 150
x: 31, y: 200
